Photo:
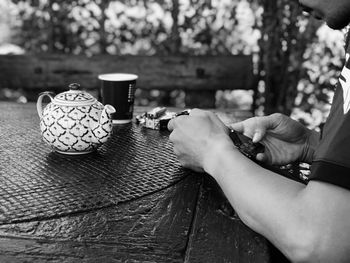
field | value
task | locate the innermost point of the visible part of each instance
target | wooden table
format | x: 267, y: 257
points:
x: 190, y: 221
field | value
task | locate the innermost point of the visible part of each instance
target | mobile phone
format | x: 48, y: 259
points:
x: 245, y: 145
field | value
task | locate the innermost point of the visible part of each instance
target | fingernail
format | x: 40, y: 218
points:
x: 256, y: 137
x: 260, y: 157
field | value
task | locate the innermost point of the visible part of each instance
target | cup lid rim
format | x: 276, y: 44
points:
x: 117, y: 77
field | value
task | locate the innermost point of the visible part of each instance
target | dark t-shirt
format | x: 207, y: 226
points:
x: 332, y: 157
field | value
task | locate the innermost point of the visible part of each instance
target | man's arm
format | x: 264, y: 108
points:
x: 285, y: 140
x: 310, y: 146
x: 307, y: 223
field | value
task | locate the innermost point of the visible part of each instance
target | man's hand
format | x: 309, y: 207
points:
x: 285, y: 140
x: 196, y: 136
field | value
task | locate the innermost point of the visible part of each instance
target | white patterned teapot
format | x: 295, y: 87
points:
x: 74, y: 122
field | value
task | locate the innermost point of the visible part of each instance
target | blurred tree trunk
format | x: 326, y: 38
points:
x: 175, y: 33
x: 102, y: 27
x: 282, y: 46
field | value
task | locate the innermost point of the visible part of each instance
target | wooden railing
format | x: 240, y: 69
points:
x: 199, y: 76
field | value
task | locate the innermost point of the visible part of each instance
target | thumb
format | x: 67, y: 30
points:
x: 258, y: 135
x: 265, y: 123
x: 261, y: 157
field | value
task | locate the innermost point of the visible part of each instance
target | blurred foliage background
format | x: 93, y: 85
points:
x: 296, y: 57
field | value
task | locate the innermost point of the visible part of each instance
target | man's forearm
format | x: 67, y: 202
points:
x: 265, y: 201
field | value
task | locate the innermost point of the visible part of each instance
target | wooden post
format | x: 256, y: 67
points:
x: 102, y: 30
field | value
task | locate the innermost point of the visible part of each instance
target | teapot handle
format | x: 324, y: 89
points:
x: 40, y: 99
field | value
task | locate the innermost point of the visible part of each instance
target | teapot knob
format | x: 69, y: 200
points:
x: 74, y: 86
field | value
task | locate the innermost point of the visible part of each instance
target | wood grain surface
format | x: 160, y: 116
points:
x: 152, y: 229
x: 189, y: 222
x: 218, y: 235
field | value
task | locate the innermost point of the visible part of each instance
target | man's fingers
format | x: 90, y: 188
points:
x: 197, y: 112
x: 262, y: 125
x: 171, y: 124
x: 261, y: 157
x: 257, y: 127
x: 238, y: 126
x: 258, y: 135
x: 174, y: 123
x: 271, y: 121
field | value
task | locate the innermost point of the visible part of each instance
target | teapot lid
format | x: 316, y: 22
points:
x: 74, y: 97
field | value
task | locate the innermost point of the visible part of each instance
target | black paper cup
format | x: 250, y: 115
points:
x: 118, y: 90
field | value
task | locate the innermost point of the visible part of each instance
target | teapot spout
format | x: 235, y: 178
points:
x: 107, y: 112
x: 104, y: 128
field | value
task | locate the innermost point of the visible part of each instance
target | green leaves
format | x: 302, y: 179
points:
x: 288, y: 61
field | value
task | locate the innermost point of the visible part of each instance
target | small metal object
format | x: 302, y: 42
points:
x: 158, y: 118
x: 74, y: 86
x: 140, y: 119
x: 185, y: 112
x: 156, y: 113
